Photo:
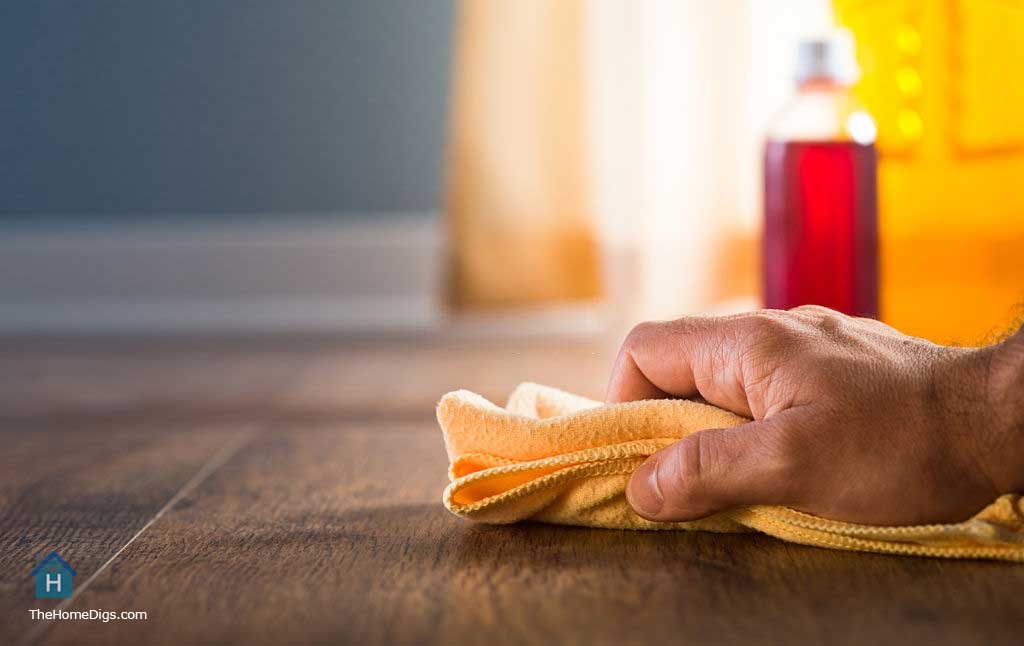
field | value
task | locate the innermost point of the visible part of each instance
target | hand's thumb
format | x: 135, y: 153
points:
x: 708, y: 472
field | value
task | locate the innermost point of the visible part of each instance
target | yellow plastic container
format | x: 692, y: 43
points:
x: 942, y: 79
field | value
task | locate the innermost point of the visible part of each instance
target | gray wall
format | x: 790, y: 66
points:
x: 154, y: 108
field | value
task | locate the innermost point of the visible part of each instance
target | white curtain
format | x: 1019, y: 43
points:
x: 680, y: 94
x: 630, y: 126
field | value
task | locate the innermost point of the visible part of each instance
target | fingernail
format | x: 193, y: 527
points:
x: 643, y: 493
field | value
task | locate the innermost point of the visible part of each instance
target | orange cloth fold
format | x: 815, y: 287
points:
x: 555, y: 457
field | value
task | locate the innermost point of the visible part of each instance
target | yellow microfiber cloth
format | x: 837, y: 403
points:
x: 555, y: 457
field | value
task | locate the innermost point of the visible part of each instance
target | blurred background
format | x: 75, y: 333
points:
x: 472, y: 167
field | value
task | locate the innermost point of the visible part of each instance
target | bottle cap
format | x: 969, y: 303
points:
x: 828, y: 58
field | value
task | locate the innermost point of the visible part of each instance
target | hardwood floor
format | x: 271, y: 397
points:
x: 275, y: 491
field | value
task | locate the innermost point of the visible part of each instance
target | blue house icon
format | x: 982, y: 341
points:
x: 53, y: 578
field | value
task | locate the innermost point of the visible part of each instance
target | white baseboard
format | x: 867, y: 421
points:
x: 375, y: 274
x: 379, y: 273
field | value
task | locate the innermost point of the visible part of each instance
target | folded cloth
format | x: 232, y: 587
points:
x: 554, y: 457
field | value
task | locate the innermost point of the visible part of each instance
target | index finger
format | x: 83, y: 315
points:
x: 697, y: 355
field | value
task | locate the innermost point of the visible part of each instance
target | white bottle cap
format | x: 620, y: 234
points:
x: 828, y: 58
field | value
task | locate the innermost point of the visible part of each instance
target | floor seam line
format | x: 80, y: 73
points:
x: 219, y: 459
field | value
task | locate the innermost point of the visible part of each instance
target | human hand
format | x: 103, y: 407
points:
x: 853, y: 420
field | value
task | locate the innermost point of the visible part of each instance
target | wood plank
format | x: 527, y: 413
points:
x: 84, y: 491
x: 336, y: 534
x: 99, y: 434
x: 76, y: 380
x: 403, y: 378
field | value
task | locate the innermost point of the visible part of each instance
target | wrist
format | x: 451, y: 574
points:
x: 1001, y: 369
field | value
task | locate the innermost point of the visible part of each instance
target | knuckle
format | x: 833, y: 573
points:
x: 639, y: 334
x: 680, y: 478
x: 770, y: 336
x: 643, y: 333
x: 833, y: 324
x: 691, y: 327
x: 707, y: 456
x: 769, y: 324
x: 813, y: 310
x: 824, y: 320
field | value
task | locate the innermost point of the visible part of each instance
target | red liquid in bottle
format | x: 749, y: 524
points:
x: 821, y: 231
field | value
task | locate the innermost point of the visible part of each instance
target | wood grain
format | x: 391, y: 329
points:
x: 327, y: 527
x: 68, y: 381
x: 409, y: 377
x: 71, y: 381
x: 84, y: 492
x: 336, y: 535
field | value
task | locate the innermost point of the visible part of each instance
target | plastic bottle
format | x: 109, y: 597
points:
x: 821, y: 205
